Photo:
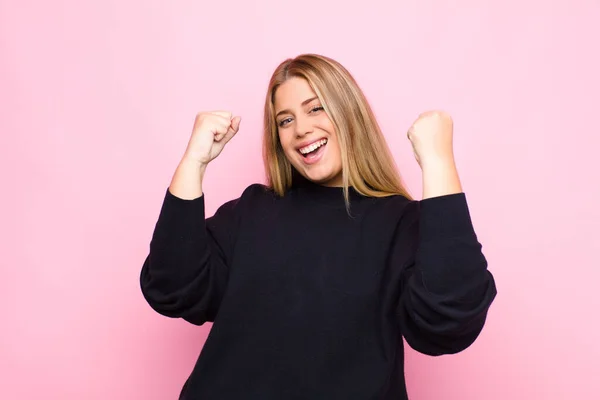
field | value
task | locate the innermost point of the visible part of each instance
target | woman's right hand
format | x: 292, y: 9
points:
x: 212, y: 131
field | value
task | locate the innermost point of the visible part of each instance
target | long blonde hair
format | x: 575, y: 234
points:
x: 367, y: 163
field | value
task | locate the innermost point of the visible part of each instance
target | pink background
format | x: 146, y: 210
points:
x: 97, y: 100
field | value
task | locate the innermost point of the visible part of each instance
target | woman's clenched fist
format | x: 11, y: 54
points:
x: 212, y: 131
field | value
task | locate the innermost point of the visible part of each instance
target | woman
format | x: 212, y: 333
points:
x: 313, y: 279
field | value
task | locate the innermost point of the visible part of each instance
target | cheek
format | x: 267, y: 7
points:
x: 286, y: 145
x: 327, y: 124
x: 283, y: 142
x: 338, y: 151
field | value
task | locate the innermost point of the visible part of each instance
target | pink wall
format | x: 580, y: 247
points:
x: 97, y: 100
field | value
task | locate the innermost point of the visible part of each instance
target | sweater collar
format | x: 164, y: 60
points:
x: 330, y: 194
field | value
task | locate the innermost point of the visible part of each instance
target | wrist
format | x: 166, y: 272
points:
x: 187, y: 180
x: 440, y: 177
x: 436, y: 164
x: 188, y: 162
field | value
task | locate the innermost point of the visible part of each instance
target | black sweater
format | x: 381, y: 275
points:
x: 309, y: 302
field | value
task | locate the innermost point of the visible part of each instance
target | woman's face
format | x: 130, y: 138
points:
x: 306, y: 133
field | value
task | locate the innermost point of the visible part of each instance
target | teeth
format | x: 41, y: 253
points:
x: 313, y: 147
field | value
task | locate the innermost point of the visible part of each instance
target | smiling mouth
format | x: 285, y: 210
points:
x: 312, y: 148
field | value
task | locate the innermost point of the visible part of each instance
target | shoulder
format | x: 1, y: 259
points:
x: 257, y: 192
x: 396, y: 205
x: 252, y: 197
x: 256, y: 189
x: 393, y: 214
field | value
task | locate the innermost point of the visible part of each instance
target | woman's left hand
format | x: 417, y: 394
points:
x: 431, y: 138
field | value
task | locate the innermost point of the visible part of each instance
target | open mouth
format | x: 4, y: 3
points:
x: 313, y: 149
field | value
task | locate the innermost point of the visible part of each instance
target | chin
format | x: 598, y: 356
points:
x: 323, y: 173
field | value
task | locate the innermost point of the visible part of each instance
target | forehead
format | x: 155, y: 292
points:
x: 292, y: 93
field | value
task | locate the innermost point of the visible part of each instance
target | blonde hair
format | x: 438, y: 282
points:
x: 367, y: 163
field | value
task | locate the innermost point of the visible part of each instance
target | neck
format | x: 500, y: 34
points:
x: 321, y: 192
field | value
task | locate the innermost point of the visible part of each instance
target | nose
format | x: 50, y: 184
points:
x: 303, y: 126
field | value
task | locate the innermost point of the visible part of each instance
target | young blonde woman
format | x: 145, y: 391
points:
x: 312, y: 280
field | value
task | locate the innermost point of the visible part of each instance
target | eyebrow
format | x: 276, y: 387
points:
x: 305, y: 102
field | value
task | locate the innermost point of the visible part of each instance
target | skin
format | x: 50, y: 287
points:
x: 431, y: 137
x: 301, y: 120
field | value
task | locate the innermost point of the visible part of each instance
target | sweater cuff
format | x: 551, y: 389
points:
x: 180, y: 219
x: 445, y: 217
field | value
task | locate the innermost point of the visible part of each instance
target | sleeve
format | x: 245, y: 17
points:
x: 446, y: 288
x: 186, y: 270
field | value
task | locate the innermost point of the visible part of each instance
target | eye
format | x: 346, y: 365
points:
x: 286, y: 121
x: 283, y: 122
